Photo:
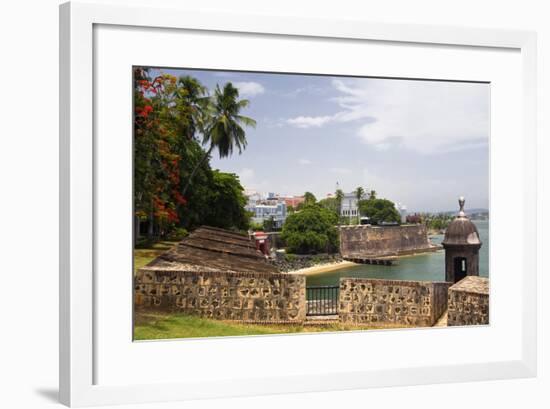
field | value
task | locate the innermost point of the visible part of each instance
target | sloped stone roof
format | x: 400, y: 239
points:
x: 210, y: 249
x: 472, y: 284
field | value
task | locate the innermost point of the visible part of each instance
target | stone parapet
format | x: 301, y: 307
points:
x: 469, y: 302
x: 248, y: 297
x: 391, y: 302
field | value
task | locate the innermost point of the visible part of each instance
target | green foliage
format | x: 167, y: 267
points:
x: 226, y: 201
x: 359, y: 193
x: 173, y: 118
x: 329, y: 203
x: 438, y: 221
x: 309, y: 198
x: 256, y: 226
x: 379, y: 210
x: 311, y: 230
x: 178, y: 233
x: 269, y: 224
x: 290, y: 257
x: 339, y: 196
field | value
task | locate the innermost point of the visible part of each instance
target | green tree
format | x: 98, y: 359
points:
x: 329, y: 203
x: 224, y: 130
x: 269, y: 224
x: 339, y: 196
x: 309, y: 198
x: 226, y: 202
x: 192, y: 104
x: 170, y: 116
x: 311, y: 231
x: 372, y: 194
x: 379, y: 210
x: 359, y: 194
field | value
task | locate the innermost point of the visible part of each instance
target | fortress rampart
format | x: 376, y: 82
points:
x: 247, y: 297
x: 384, y: 241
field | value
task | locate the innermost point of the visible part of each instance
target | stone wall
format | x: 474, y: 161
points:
x: 392, y: 302
x: 469, y: 302
x: 378, y: 241
x: 247, y: 297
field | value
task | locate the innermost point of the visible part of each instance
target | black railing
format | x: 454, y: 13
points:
x: 322, y: 300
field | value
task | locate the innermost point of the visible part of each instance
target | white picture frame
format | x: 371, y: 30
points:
x: 78, y: 291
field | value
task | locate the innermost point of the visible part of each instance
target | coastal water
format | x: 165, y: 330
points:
x: 428, y: 266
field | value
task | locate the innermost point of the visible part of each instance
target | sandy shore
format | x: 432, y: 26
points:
x: 323, y: 268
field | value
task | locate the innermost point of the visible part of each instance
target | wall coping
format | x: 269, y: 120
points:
x: 220, y: 273
x: 395, y: 282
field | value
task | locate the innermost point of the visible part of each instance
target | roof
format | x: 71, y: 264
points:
x: 472, y: 284
x: 461, y: 231
x: 213, y: 249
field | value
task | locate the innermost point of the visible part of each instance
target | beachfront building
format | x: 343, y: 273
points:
x: 270, y: 207
x: 349, y: 206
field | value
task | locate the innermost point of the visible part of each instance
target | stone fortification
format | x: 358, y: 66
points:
x: 384, y: 241
x: 216, y: 273
x: 248, y: 297
x: 469, y: 302
x: 392, y: 302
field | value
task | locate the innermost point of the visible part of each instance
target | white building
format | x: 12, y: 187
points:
x: 349, y: 206
x: 402, y: 209
x: 265, y: 209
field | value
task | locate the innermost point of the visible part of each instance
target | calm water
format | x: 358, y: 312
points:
x: 429, y: 266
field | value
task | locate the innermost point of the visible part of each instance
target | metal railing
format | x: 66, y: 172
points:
x: 322, y: 300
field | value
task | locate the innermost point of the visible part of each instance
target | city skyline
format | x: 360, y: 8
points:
x: 420, y: 143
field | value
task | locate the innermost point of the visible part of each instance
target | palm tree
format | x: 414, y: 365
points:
x: 339, y: 196
x: 192, y: 102
x: 309, y: 198
x: 359, y: 194
x: 224, y: 129
x: 372, y: 194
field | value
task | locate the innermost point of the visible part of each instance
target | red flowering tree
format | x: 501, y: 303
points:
x: 171, y: 116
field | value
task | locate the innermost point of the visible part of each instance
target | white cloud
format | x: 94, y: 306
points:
x: 423, y: 116
x: 304, y: 162
x: 309, y: 121
x: 249, y: 89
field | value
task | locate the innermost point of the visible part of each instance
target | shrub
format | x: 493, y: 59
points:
x: 178, y: 233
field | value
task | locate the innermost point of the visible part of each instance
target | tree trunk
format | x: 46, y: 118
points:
x: 136, y: 227
x: 195, y: 169
x: 150, y: 228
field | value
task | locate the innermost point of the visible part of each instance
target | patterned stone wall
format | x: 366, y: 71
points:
x: 392, y: 302
x: 248, y: 297
x: 469, y: 302
x: 373, y: 241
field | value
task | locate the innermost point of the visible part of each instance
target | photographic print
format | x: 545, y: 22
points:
x: 279, y: 203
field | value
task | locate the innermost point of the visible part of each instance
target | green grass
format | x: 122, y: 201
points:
x: 143, y: 256
x: 153, y: 325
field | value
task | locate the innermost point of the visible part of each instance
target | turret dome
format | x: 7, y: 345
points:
x: 461, y: 231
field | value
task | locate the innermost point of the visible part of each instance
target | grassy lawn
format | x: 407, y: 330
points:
x: 153, y: 325
x: 143, y: 256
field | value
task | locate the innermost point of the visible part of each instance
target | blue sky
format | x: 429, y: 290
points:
x: 421, y: 143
